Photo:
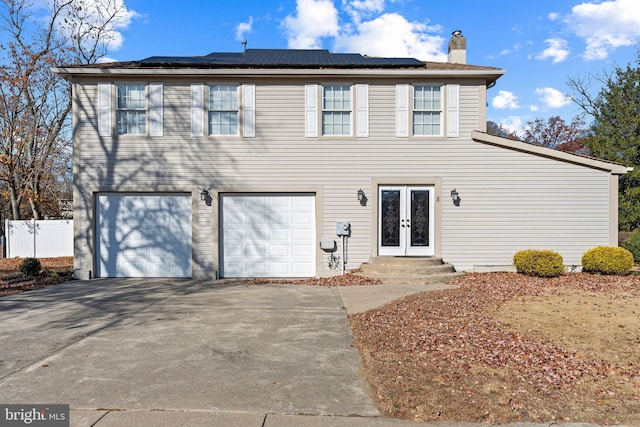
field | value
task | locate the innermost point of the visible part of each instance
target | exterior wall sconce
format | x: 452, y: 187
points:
x: 362, y: 198
x: 455, y: 197
x: 204, y: 194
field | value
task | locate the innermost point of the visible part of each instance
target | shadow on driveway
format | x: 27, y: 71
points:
x: 182, y: 345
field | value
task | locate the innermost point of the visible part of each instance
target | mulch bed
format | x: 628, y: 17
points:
x: 54, y: 271
x: 349, y: 279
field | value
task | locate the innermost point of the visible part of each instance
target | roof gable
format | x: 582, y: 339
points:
x: 538, y: 150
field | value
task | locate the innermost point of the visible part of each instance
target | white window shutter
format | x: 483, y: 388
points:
x: 402, y: 110
x: 104, y: 109
x: 453, y: 111
x: 362, y: 111
x: 156, y: 109
x: 197, y: 109
x: 249, y: 110
x: 311, y: 111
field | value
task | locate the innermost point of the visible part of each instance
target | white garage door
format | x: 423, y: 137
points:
x: 144, y: 235
x: 268, y: 235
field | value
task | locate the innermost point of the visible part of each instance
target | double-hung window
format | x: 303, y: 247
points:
x: 131, y: 109
x: 336, y: 110
x: 223, y: 110
x: 427, y: 110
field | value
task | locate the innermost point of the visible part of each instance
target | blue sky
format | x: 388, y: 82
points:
x: 540, y: 43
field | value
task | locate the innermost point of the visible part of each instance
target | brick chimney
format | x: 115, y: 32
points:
x: 457, y: 48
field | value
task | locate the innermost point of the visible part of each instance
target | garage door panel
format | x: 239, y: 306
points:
x: 257, y: 269
x: 302, y: 269
x: 234, y: 251
x: 279, y: 269
x: 258, y: 250
x: 279, y: 219
x: 235, y: 234
x: 279, y: 234
x: 144, y: 235
x: 258, y: 219
x: 279, y: 204
x: 235, y: 219
x: 302, y: 251
x: 278, y: 251
x: 302, y: 218
x: 279, y: 231
x: 257, y: 234
x: 301, y: 235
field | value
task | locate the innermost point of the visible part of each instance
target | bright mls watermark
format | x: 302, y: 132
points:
x: 34, y: 415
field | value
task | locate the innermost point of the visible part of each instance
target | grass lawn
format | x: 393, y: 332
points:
x: 506, y: 347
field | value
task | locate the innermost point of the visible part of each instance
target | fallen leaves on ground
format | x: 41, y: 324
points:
x: 349, y: 279
x: 55, y: 270
x: 11, y: 264
x: 444, y: 356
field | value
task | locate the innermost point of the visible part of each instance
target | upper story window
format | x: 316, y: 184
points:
x: 336, y: 110
x: 131, y: 109
x: 223, y: 110
x: 427, y: 110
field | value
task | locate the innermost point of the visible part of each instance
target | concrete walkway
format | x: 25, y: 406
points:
x: 181, y: 353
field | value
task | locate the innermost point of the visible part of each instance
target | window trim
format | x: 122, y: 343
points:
x: 413, y: 110
x: 322, y: 110
x: 118, y: 110
x: 209, y: 110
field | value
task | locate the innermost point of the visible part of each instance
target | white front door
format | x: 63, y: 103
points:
x: 405, y: 220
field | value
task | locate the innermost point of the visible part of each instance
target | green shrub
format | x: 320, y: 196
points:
x: 632, y: 244
x: 607, y: 260
x: 539, y: 263
x: 30, y: 267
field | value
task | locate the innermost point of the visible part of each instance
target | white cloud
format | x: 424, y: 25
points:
x: 605, y: 26
x: 553, y: 16
x: 552, y: 98
x: 314, y: 20
x: 243, y: 28
x: 367, y: 30
x: 557, y: 50
x: 516, y: 47
x: 95, y: 14
x: 534, y: 108
x: 358, y: 9
x: 513, y: 124
x: 392, y: 35
x: 505, y: 100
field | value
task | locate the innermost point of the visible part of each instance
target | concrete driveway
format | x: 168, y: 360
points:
x: 177, y: 352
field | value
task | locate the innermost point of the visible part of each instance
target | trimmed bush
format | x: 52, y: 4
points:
x: 632, y: 244
x: 607, y: 260
x: 539, y: 263
x: 30, y: 267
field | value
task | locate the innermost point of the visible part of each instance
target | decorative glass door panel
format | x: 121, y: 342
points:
x: 405, y: 221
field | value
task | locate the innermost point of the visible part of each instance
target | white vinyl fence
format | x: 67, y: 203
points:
x: 39, y: 239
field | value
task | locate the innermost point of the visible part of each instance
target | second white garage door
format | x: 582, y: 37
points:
x: 268, y: 235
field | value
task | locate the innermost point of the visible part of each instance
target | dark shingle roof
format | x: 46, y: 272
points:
x: 279, y: 58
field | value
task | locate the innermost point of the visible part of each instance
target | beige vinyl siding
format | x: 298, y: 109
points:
x: 510, y: 200
x: 469, y: 109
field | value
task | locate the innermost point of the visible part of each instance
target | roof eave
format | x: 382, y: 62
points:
x: 71, y: 72
x: 591, y: 162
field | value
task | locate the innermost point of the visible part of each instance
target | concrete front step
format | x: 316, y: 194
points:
x: 413, y: 280
x: 408, y: 270
x: 405, y: 261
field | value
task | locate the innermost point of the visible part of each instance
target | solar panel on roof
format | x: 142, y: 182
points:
x: 284, y: 58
